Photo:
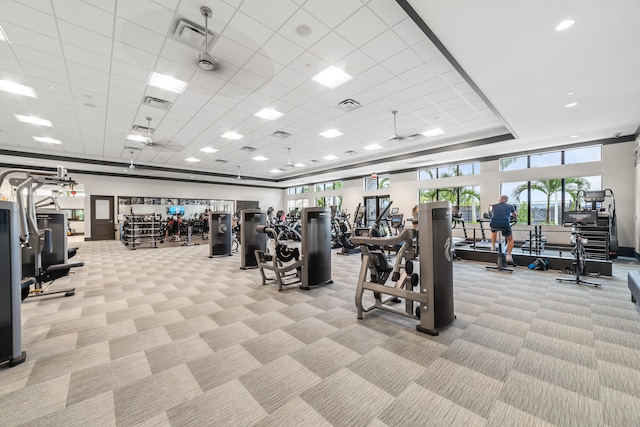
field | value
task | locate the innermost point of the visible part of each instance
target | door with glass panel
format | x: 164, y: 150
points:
x: 102, y: 218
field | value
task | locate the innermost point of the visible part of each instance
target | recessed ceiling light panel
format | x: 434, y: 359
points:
x: 276, y: 170
x: 433, y: 132
x: 565, y: 24
x: 332, y: 77
x: 191, y: 159
x: 165, y: 82
x: 33, y: 120
x: 232, y: 135
x: 331, y: 133
x: 18, y: 89
x: 138, y: 138
x: 260, y: 158
x: 572, y: 104
x: 331, y: 157
x: 299, y: 165
x: 269, y: 114
x: 372, y: 147
x: 47, y: 140
x: 208, y: 150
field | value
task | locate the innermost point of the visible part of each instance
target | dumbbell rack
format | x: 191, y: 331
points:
x: 138, y: 228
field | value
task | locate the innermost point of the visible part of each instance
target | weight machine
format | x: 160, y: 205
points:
x: 43, y: 233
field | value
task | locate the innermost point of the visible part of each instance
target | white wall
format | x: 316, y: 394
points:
x: 115, y: 186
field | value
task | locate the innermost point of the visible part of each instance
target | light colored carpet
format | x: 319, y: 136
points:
x: 168, y: 336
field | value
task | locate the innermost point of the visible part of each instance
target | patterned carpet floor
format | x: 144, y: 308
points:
x: 169, y: 336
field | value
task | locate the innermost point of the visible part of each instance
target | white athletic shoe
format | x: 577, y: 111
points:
x: 509, y: 259
x: 493, y: 248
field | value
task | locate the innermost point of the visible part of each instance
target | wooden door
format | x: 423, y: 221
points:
x: 102, y: 218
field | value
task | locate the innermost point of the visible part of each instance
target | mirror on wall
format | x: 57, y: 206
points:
x: 167, y: 206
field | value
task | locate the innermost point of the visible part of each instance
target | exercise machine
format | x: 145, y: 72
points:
x: 346, y: 232
x: 311, y: 267
x: 434, y: 296
x: 10, y: 286
x: 250, y: 239
x: 43, y: 234
x: 577, y: 220
x: 220, y: 238
x: 605, y: 231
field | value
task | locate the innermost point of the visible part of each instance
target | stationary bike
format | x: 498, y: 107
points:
x: 501, y: 260
x: 579, y: 257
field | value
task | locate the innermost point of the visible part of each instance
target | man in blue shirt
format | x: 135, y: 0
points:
x: 501, y: 215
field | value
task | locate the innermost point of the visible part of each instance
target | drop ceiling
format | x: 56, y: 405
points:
x: 495, y: 76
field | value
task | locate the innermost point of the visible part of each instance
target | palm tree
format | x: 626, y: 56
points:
x: 550, y: 186
x: 470, y: 197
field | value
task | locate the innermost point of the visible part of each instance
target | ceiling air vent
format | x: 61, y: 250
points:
x: 191, y: 34
x: 350, y: 152
x: 281, y: 134
x: 415, y: 136
x: 314, y: 161
x: 156, y: 102
x: 249, y: 149
x: 142, y: 129
x: 221, y: 161
x: 348, y: 104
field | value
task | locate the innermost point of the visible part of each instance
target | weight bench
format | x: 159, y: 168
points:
x: 633, y: 281
x: 284, y: 261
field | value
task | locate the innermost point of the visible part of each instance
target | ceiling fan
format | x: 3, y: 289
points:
x: 289, y: 162
x: 160, y: 145
x: 395, y: 136
x: 238, y: 177
x: 205, y: 60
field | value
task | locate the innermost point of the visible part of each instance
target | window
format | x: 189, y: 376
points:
x: 447, y: 171
x: 330, y: 201
x: 513, y: 163
x: 377, y: 182
x: 424, y: 174
x: 297, y: 204
x: 581, y: 155
x: 467, y: 198
x: 542, y: 202
x: 469, y: 169
x: 298, y: 190
x: 326, y: 186
x: 545, y: 159
x: 553, y: 158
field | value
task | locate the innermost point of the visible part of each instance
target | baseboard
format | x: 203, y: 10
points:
x: 627, y: 251
x: 87, y: 239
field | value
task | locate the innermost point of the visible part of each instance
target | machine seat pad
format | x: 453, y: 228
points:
x: 71, y: 252
x: 68, y: 266
x: 26, y: 282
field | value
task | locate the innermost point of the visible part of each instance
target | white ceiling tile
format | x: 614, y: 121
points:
x: 169, y: 4
x: 430, y: 86
x: 135, y: 87
x: 332, y: 48
x: 390, y: 87
x: 232, y: 52
x: 130, y: 71
x: 273, y: 90
x: 145, y: 14
x: 93, y: 18
x: 441, y: 65
x: 79, y: 55
x: 426, y: 50
x: 384, y: 46
x: 20, y: 36
x: 289, y: 78
x: 295, y: 98
x: 234, y: 91
x: 262, y: 66
x: 78, y: 36
x: 133, y: 55
x: 89, y: 73
x: 361, y: 27
x: 179, y: 52
x: 29, y: 56
x: 247, y: 31
x: 302, y: 17
x: 349, y: 89
x: 417, y: 75
x: 309, y: 65
x: 80, y: 86
x: 332, y: 12
x: 409, y: 32
x: 29, y: 16
x: 135, y: 35
x: 273, y: 13
x: 106, y: 5
x: 177, y: 70
x: 402, y: 61
x: 355, y: 63
x: 389, y: 12
x: 207, y: 80
x: 453, y: 78
x: 374, y: 76
x: 442, y: 95
x: 40, y: 72
x: 281, y: 49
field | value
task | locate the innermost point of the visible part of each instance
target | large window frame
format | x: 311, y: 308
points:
x: 570, y: 156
